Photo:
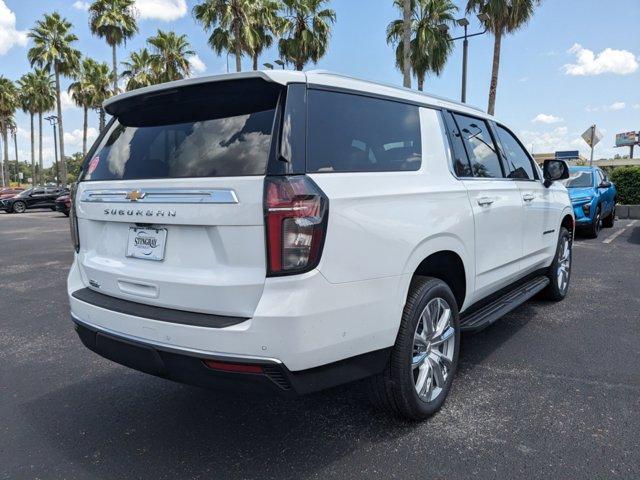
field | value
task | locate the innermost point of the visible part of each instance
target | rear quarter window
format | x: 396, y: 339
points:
x: 353, y: 133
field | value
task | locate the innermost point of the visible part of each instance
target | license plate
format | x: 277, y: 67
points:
x: 146, y: 243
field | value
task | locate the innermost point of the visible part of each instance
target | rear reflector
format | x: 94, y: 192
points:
x: 233, y: 367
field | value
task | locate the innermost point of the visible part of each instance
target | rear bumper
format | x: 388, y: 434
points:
x: 189, y: 367
x: 302, y: 322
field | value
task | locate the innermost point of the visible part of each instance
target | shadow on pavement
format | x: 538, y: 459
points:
x: 127, y: 425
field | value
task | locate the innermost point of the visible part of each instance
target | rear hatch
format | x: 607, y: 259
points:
x: 170, y: 206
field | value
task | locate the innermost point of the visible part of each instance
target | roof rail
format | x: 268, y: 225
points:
x: 397, y: 87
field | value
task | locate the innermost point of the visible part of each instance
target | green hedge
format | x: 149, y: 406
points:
x: 627, y: 180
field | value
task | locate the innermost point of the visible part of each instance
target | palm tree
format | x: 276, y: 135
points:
x: 504, y: 17
x: 231, y: 22
x: 307, y: 25
x: 100, y: 78
x: 52, y: 50
x: 29, y: 104
x: 139, y: 70
x: 115, y: 21
x: 170, y: 55
x: 45, y: 94
x: 430, y: 46
x: 8, y: 105
x: 82, y: 92
x: 265, y: 24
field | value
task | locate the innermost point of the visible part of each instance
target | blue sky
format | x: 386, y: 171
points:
x: 576, y: 63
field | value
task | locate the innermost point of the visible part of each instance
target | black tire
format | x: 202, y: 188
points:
x: 555, y: 291
x: 53, y: 209
x: 394, y: 389
x: 66, y: 213
x: 19, y: 207
x: 609, y: 220
x: 594, y: 228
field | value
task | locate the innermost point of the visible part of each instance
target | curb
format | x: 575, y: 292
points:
x: 628, y: 211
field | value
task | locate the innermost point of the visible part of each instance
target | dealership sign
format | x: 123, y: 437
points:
x: 626, y: 139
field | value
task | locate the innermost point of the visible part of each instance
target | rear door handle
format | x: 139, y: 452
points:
x: 485, y: 201
x: 527, y: 197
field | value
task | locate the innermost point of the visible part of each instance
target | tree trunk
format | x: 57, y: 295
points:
x: 33, y: 151
x: 40, y: 148
x: 115, y: 69
x: 102, y: 120
x: 299, y: 65
x: 85, y: 125
x: 238, y: 52
x: 5, y: 146
x: 421, y: 82
x: 494, y: 72
x: 62, y: 162
x: 406, y: 43
x: 255, y: 61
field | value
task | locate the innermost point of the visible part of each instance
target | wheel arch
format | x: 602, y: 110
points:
x: 444, y: 257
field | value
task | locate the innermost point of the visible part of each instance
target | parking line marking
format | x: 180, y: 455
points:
x: 618, y: 233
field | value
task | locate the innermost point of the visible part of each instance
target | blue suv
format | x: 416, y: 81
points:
x: 593, y: 197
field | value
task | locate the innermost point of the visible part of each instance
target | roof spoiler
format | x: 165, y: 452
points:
x: 114, y: 105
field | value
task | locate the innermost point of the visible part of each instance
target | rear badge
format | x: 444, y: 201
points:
x: 139, y: 213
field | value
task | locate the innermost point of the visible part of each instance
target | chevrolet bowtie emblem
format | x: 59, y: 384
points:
x: 135, y: 195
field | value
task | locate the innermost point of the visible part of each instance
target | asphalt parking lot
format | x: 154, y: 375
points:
x: 550, y: 391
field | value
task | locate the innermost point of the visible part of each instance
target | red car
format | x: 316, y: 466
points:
x: 63, y: 204
x: 10, y: 192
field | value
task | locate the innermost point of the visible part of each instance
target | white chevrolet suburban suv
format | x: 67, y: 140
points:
x: 288, y: 232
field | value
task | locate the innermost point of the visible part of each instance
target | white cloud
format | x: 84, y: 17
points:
x: 523, y: 79
x: 617, y: 106
x: 166, y: 10
x: 620, y: 62
x: 9, y: 36
x: 79, y: 5
x: 549, y: 141
x: 637, y: 106
x: 66, y: 101
x: 196, y: 64
x: 544, y: 118
x: 74, y: 138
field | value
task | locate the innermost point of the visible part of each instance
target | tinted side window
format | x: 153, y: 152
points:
x: 352, y: 133
x: 480, y: 147
x: 518, y: 162
x: 461, y: 164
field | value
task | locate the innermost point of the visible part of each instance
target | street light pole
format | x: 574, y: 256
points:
x: 465, y: 51
x: 14, y: 132
x: 463, y: 22
x: 54, y: 121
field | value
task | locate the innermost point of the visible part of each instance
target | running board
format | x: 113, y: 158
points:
x: 485, y: 316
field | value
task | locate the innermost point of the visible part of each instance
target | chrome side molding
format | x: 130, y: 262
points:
x: 160, y: 195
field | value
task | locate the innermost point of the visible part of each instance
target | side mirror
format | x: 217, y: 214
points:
x: 554, y: 170
x: 605, y: 184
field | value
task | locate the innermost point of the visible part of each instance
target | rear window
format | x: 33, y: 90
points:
x: 352, y: 133
x: 210, y: 131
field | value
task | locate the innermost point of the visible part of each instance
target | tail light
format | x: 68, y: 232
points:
x: 73, y: 220
x: 296, y: 213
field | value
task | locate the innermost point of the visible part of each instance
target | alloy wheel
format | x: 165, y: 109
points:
x: 19, y: 207
x: 433, y: 349
x: 564, y: 265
